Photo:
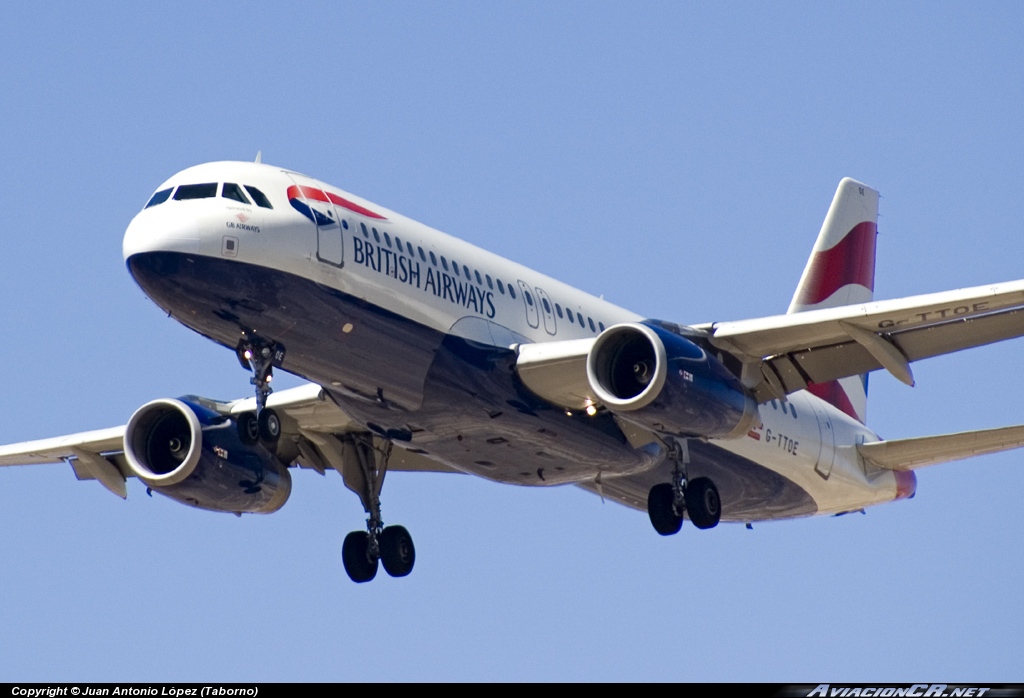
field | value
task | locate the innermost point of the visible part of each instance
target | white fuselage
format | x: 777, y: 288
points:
x: 452, y: 287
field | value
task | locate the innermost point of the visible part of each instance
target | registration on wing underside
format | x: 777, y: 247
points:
x: 823, y: 345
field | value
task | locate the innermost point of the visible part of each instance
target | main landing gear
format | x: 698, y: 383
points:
x: 668, y: 501
x: 263, y: 425
x: 363, y: 471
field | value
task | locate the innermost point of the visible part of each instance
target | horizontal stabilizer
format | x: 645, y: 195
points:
x: 909, y: 454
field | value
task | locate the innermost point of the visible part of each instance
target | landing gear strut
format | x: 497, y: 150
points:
x: 668, y: 501
x: 259, y: 356
x: 364, y: 469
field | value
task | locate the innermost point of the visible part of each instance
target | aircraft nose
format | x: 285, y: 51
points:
x: 161, y: 231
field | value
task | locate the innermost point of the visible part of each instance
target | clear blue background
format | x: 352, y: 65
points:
x: 677, y: 158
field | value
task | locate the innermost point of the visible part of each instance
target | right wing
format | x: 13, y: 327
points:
x: 310, y: 426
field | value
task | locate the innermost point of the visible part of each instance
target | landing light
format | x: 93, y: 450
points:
x: 247, y: 354
x: 591, y: 410
x: 568, y: 413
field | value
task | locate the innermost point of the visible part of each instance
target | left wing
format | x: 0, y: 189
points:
x: 784, y: 353
x: 310, y: 423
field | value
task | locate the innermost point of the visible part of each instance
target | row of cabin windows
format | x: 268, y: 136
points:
x: 228, y: 190
x: 784, y: 403
x: 454, y: 268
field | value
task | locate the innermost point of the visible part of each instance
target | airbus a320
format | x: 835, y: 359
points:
x: 426, y: 353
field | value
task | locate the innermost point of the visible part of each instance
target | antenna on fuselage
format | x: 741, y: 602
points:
x: 259, y: 156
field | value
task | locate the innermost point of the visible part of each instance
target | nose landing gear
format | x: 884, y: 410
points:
x: 668, y: 501
x: 259, y: 356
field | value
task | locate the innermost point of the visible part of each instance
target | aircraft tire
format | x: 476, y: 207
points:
x: 703, y: 504
x: 248, y: 428
x: 661, y: 511
x: 397, y: 551
x: 354, y: 556
x: 269, y: 426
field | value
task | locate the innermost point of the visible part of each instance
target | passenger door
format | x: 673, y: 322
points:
x: 546, y: 310
x: 532, y: 313
x: 311, y: 199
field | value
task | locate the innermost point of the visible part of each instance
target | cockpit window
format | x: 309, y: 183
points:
x: 196, y: 191
x: 233, y: 191
x: 259, y: 197
x: 160, y: 197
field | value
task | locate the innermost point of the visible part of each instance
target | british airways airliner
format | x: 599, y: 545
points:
x: 426, y: 353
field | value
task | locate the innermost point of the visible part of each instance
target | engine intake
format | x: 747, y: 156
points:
x: 195, y: 456
x: 664, y: 382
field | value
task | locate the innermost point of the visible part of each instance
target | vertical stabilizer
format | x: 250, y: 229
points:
x: 841, y: 271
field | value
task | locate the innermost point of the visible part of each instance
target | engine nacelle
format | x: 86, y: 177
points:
x: 666, y: 383
x: 195, y: 456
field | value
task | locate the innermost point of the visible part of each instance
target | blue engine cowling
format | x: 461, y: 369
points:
x: 664, y: 382
x: 195, y: 456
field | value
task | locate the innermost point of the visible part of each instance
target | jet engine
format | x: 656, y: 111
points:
x: 665, y: 382
x: 195, y: 456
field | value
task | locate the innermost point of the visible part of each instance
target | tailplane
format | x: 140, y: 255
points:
x: 841, y: 271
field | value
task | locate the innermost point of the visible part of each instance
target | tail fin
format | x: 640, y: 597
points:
x: 841, y: 271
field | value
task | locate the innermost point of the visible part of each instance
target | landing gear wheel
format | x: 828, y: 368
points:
x: 397, y: 551
x: 354, y: 554
x: 269, y: 426
x: 661, y: 509
x: 248, y: 428
x: 703, y: 503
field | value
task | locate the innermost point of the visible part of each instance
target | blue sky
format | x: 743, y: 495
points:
x: 677, y: 158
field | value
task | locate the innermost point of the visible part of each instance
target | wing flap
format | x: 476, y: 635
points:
x: 909, y: 454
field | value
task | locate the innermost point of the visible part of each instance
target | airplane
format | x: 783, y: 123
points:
x: 426, y: 353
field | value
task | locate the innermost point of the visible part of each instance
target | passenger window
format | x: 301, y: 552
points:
x: 376, y: 235
x: 478, y: 279
x: 444, y: 263
x: 784, y: 410
x: 387, y: 239
x: 344, y: 224
x: 455, y: 267
x: 233, y: 191
x: 160, y: 197
x: 501, y: 287
x: 529, y: 298
x: 547, y: 306
x: 490, y: 284
x: 261, y: 200
x: 408, y: 246
x: 196, y: 191
x: 466, y: 269
x: 579, y: 316
x: 433, y: 258
x: 422, y: 255
x: 398, y: 243
x: 558, y: 309
x: 775, y: 405
x: 511, y: 292
x: 600, y: 326
x: 366, y: 233
x: 792, y: 408
x: 591, y: 321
